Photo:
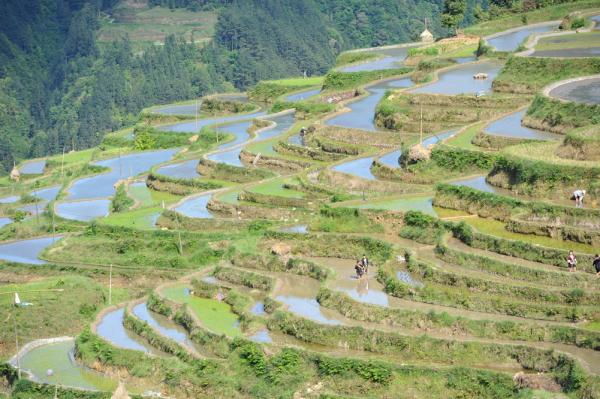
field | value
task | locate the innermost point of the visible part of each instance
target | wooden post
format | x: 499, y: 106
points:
x: 17, y: 344
x: 421, y: 127
x: 110, y: 285
x: 179, y: 236
x: 62, y: 164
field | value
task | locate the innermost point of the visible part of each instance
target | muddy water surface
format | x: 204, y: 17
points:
x: 298, y: 294
x: 59, y: 358
x: 584, y: 91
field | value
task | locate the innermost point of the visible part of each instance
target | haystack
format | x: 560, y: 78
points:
x: 15, y: 175
x: 426, y: 36
x: 120, y: 392
x: 418, y: 153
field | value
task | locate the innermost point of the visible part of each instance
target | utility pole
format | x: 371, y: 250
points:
x: 196, y: 115
x: 179, y: 235
x: 421, y: 127
x: 37, y: 214
x: 110, y: 285
x: 17, y: 344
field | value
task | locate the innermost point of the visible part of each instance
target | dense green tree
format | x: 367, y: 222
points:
x: 454, y: 13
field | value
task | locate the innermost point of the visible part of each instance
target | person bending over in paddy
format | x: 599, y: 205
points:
x: 596, y: 264
x: 360, y: 271
x: 572, y: 262
x: 578, y: 197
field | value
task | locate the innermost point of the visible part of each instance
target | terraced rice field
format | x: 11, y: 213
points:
x: 232, y: 271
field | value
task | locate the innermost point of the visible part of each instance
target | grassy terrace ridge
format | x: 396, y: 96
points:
x: 530, y: 74
x: 580, y: 40
x: 549, y: 13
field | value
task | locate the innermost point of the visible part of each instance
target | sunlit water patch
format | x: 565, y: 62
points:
x: 362, y: 112
x: 195, y: 207
x: 83, y: 211
x: 512, y: 40
x: 510, y: 126
x: 180, y: 170
x: 26, y: 251
x: 33, y: 167
x: 460, y: 79
x: 111, y: 329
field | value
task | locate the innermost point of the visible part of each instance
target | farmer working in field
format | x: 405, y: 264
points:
x: 596, y: 264
x: 572, y: 262
x: 578, y: 196
x: 365, y: 264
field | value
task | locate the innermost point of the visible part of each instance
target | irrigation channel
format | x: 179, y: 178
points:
x: 279, y: 268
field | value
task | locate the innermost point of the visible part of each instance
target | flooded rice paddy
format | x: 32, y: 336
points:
x: 459, y: 80
x: 33, y: 167
x: 54, y: 363
x: 585, y: 91
x: 180, y: 170
x: 512, y: 40
x: 83, y: 211
x: 302, y: 95
x: 510, y: 126
x: 195, y: 207
x: 111, y: 328
x: 26, y: 251
x: 362, y: 111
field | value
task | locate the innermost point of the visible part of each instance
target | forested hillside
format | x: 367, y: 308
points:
x: 61, y: 88
x: 259, y: 39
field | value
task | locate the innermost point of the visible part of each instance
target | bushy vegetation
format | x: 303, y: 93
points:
x: 560, y: 115
x: 121, y: 201
x: 216, y: 106
x: 335, y: 80
x: 518, y: 171
x: 419, y: 320
x: 305, y: 108
x: 355, y: 57
x: 530, y: 74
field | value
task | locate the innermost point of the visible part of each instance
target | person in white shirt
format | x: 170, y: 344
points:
x: 578, y: 195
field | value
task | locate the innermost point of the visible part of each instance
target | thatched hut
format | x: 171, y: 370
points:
x: 426, y: 36
x: 15, y: 175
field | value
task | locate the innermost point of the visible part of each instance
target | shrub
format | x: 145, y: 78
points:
x: 121, y: 201
x: 482, y: 48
